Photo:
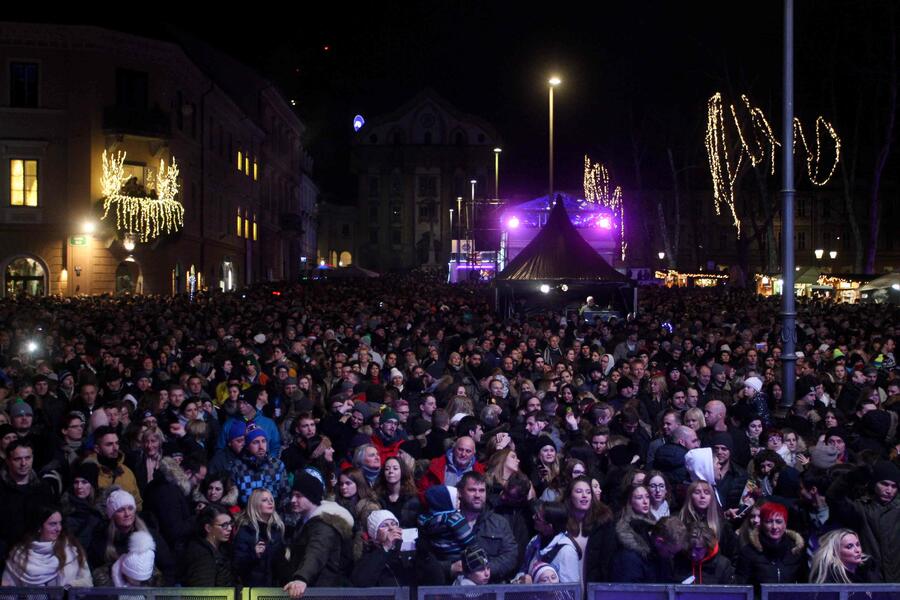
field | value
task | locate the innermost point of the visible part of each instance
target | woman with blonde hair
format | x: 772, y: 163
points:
x: 500, y: 467
x: 259, y: 540
x: 840, y: 559
x: 701, y: 506
x: 693, y: 418
x: 48, y: 555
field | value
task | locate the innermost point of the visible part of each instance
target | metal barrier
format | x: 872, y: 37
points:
x: 35, y: 593
x: 313, y: 593
x: 614, y: 591
x: 845, y: 591
x: 173, y: 593
x: 558, y: 591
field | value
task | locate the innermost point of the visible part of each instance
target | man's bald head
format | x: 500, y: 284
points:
x: 714, y: 412
x: 463, y: 451
x: 687, y: 437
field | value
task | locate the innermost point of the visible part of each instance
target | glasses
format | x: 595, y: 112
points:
x: 226, y: 524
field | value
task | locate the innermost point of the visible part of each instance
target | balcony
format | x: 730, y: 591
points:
x: 141, y: 122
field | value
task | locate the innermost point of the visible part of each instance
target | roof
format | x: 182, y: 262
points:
x: 559, y: 252
x: 885, y: 281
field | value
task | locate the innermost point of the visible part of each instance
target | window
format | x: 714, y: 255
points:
x: 427, y: 185
x: 23, y: 182
x: 373, y: 187
x: 131, y: 90
x: 255, y: 231
x: 240, y: 161
x: 23, y: 85
x: 255, y: 170
x: 240, y: 223
x: 459, y: 138
x: 396, y: 184
x: 246, y: 227
x: 426, y: 211
x: 247, y: 165
x: 373, y: 139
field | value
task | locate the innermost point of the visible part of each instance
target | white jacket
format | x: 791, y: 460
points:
x: 566, y: 561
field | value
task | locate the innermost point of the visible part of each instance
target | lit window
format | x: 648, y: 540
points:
x: 240, y: 223
x: 23, y: 182
x: 246, y: 227
x: 254, y: 229
x: 240, y: 160
x: 255, y: 170
x: 247, y: 165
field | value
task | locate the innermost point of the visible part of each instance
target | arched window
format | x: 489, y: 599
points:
x: 346, y: 259
x: 25, y: 276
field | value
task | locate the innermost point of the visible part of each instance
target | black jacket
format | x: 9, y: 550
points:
x: 637, y: 561
x: 380, y: 568
x: 168, y: 498
x: 765, y: 562
x: 13, y: 501
x: 205, y: 566
x: 670, y: 461
x: 321, y: 548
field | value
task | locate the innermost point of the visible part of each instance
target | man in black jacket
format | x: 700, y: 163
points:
x: 492, y: 531
x: 20, y: 487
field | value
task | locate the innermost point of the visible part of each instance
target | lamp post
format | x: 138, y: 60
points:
x: 553, y: 81
x: 789, y: 315
x: 451, y: 234
x: 459, y: 215
x: 497, y: 152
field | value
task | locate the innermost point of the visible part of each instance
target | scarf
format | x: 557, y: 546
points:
x: 371, y: 474
x: 41, y: 567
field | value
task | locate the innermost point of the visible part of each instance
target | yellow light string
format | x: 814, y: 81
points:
x: 147, y: 217
x: 596, y: 191
x: 759, y: 147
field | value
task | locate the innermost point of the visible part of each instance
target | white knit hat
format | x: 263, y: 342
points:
x: 376, y: 518
x: 137, y: 563
x: 754, y: 382
x: 395, y: 372
x: 117, y: 500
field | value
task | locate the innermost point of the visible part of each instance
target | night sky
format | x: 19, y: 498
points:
x: 636, y: 75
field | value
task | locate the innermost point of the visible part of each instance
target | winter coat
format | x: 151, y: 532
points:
x: 320, y: 551
x: 250, y: 569
x: 81, y: 518
x: 437, y: 471
x: 444, y: 534
x: 165, y: 561
x: 564, y: 555
x: 492, y: 532
x: 228, y: 501
x: 731, y: 486
x: 13, y: 500
x: 764, y: 562
x: 712, y: 569
x: 601, y: 547
x: 167, y: 498
x: 383, y: 568
x: 637, y: 561
x: 222, y: 460
x: 273, y: 436
x: 669, y: 459
x: 250, y: 473
x: 121, y: 476
x: 206, y: 566
x: 41, y: 568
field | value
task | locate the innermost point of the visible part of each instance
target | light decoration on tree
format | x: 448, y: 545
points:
x: 148, y: 216
x: 597, y: 191
x: 756, y: 145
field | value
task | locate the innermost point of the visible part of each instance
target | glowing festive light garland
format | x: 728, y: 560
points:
x: 148, y: 217
x: 596, y: 191
x: 757, y: 146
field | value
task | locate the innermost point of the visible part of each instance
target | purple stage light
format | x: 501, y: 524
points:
x: 605, y: 222
x: 513, y: 223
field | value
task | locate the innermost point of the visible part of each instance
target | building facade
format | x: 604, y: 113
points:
x: 412, y: 166
x: 71, y: 94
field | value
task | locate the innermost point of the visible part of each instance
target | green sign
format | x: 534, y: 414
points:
x: 78, y: 240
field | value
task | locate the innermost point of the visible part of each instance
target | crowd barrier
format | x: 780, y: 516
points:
x: 615, y: 591
x: 873, y: 591
x: 595, y: 591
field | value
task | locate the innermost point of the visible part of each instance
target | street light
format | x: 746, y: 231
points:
x: 451, y: 233
x: 497, y: 152
x: 459, y: 216
x: 833, y: 254
x: 819, y: 253
x: 553, y: 81
x: 89, y: 227
x: 661, y: 255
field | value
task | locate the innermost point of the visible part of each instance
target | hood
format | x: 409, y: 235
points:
x: 610, y: 365
x: 700, y: 465
x: 229, y: 499
x: 633, y: 534
x: 796, y: 540
x: 337, y: 516
x: 561, y: 539
x: 174, y: 474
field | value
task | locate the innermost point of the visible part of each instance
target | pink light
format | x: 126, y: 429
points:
x: 605, y: 223
x: 513, y: 223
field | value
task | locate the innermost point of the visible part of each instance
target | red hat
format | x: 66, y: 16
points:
x: 770, y: 509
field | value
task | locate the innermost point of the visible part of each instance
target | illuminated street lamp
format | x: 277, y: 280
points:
x: 497, y: 152
x: 553, y: 81
x: 89, y: 227
x: 833, y: 254
x: 819, y: 252
x: 661, y: 255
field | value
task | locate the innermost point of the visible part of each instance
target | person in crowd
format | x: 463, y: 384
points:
x: 207, y: 558
x: 216, y: 489
x: 367, y: 459
x: 355, y: 494
x: 111, y: 461
x: 20, y: 487
x: 476, y: 567
x: 492, y: 532
x: 553, y: 544
x: 649, y: 554
x: 703, y: 563
x: 450, y: 468
x: 258, y: 541
x: 259, y: 469
x: 168, y: 498
x: 48, y: 555
x: 701, y: 506
x: 136, y: 567
x: 660, y: 495
x: 397, y: 491
x: 775, y: 553
x: 384, y: 563
x: 81, y: 512
x: 840, y: 559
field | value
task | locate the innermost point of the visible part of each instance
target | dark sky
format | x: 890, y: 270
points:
x: 635, y: 74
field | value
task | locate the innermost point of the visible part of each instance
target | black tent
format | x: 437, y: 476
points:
x: 558, y: 267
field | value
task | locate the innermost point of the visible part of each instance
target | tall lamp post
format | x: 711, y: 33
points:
x: 789, y: 316
x: 497, y: 152
x: 553, y: 82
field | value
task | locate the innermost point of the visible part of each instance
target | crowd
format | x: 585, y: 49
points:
x: 396, y: 431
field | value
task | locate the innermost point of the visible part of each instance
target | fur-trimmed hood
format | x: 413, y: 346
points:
x: 634, y: 534
x: 795, y: 538
x: 174, y: 474
x: 337, y: 516
x: 230, y: 498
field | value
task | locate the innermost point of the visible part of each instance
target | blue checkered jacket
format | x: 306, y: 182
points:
x: 250, y: 473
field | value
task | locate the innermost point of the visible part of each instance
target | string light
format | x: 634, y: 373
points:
x: 148, y: 216
x: 758, y: 146
x: 596, y: 191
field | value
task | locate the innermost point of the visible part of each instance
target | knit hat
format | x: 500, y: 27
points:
x: 876, y: 424
x: 376, y: 518
x: 823, y: 456
x: 389, y: 415
x: 252, y: 432
x: 310, y: 487
x: 20, y: 409
x: 137, y: 563
x: 395, y: 372
x: 717, y: 369
x: 89, y: 471
x: 438, y: 498
x: 773, y: 508
x: 474, y: 558
x: 544, y: 440
x: 754, y: 382
x: 886, y: 471
x: 539, y: 568
x: 237, y: 429
x: 837, y: 354
x: 721, y: 438
x: 119, y: 499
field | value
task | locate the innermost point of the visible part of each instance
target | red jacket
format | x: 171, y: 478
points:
x: 386, y: 451
x: 436, y: 472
